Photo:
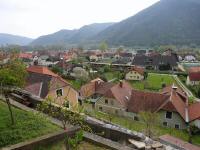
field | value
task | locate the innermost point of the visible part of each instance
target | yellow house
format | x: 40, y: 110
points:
x: 136, y: 73
x: 44, y: 83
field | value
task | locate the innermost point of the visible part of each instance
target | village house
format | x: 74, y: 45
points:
x: 44, y: 83
x: 156, y: 61
x: 120, y: 99
x: 26, y: 57
x: 193, y: 77
x: 68, y: 56
x: 171, y: 105
x: 107, y: 96
x: 135, y: 73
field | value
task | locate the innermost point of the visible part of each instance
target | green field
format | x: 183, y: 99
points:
x: 112, y: 75
x: 138, y: 126
x: 75, y: 83
x: 153, y: 82
x: 27, y: 126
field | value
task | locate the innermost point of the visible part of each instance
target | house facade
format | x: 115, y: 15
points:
x: 171, y: 104
x: 136, y: 74
x: 193, y: 77
x: 43, y: 83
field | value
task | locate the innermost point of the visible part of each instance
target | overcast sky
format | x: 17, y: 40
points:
x: 33, y: 18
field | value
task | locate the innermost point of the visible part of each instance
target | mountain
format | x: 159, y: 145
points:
x: 13, y: 39
x: 71, y: 36
x: 58, y: 38
x: 166, y: 22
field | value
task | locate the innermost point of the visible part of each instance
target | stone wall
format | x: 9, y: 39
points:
x: 43, y: 140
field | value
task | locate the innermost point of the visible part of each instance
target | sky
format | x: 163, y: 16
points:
x: 33, y: 18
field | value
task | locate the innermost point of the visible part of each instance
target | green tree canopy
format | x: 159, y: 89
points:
x: 13, y: 74
x: 103, y: 46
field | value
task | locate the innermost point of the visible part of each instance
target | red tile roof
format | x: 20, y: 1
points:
x: 140, y: 70
x: 95, y: 86
x: 25, y: 55
x: 194, y: 74
x: 177, y: 101
x: 178, y: 142
x: 194, y: 69
x: 41, y: 70
x: 146, y: 101
x: 120, y: 92
x: 194, y: 111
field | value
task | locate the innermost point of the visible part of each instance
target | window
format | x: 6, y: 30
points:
x: 100, y: 108
x: 59, y: 92
x: 177, y: 126
x: 116, y: 111
x: 169, y: 115
x: 106, y: 101
x: 66, y: 104
x: 165, y: 124
x: 136, y: 118
x: 112, y: 103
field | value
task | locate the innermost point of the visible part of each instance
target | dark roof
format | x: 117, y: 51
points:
x: 155, y: 60
x: 122, y: 61
x: 125, y: 54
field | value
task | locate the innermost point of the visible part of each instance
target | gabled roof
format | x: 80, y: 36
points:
x: 139, y: 70
x: 95, y: 86
x: 120, y: 92
x: 194, y: 111
x: 41, y: 70
x: 146, y: 101
x: 41, y: 80
x: 194, y: 74
x: 26, y: 55
x: 177, y: 101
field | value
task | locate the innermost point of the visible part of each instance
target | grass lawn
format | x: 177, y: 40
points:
x: 27, y: 126
x: 153, y: 82
x: 138, y: 126
x: 111, y: 75
x: 75, y: 83
x: 61, y: 146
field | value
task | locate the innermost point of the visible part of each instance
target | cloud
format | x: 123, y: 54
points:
x: 37, y: 17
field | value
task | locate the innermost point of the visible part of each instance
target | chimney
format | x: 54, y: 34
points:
x: 174, y: 87
x: 121, y: 83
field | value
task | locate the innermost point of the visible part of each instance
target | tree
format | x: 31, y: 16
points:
x: 64, y: 114
x: 151, y: 120
x: 12, y: 75
x: 103, y: 46
x: 120, y: 49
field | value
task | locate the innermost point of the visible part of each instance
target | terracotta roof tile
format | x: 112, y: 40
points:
x: 178, y: 142
x: 177, y: 102
x: 120, y: 92
x: 41, y: 70
x: 194, y: 111
x: 146, y: 101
